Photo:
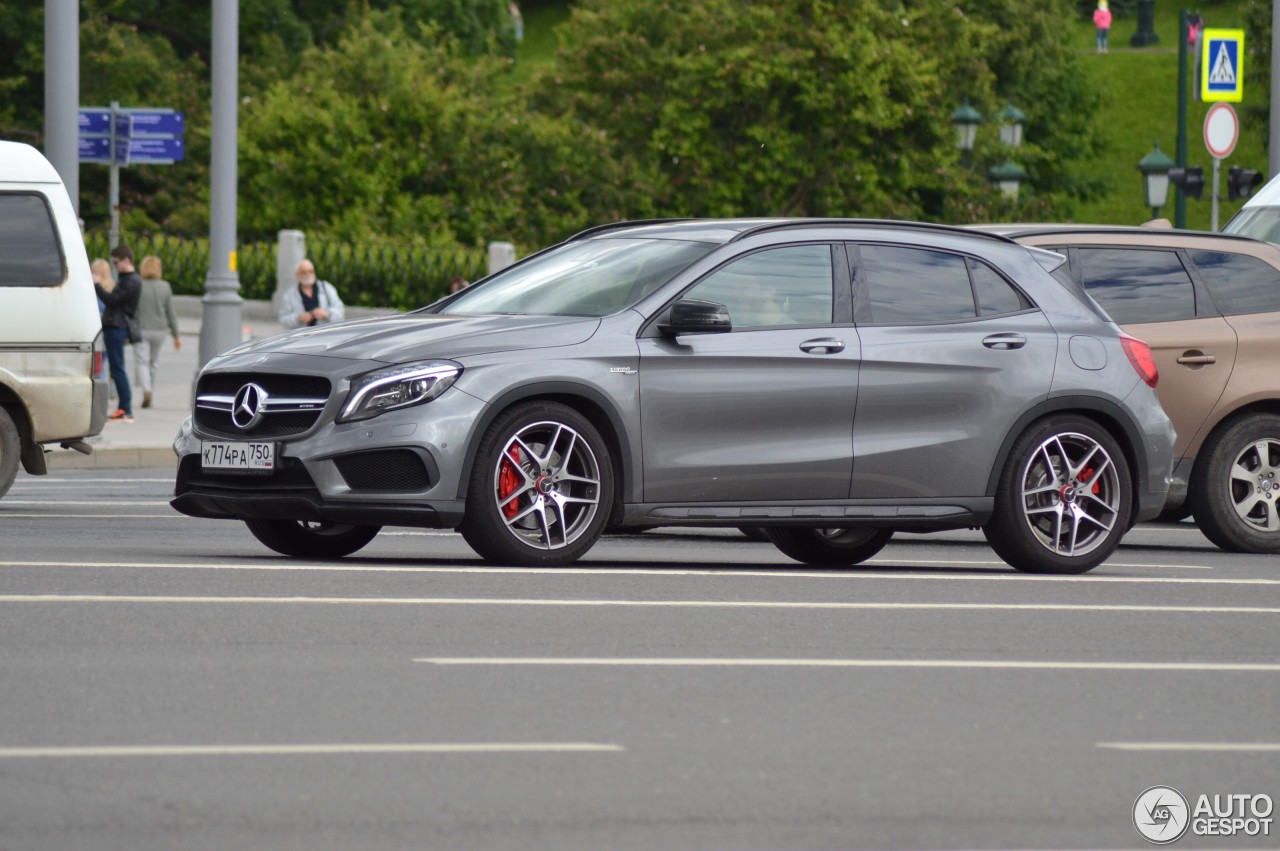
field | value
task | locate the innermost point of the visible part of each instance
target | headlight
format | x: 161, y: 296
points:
x: 398, y: 387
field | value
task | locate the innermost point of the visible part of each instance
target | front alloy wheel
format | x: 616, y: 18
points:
x: 1064, y: 498
x: 541, y: 489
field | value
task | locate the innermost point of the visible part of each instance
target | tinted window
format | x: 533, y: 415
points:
x: 1138, y: 285
x: 994, y: 294
x: 914, y: 285
x: 780, y: 286
x: 1239, y: 283
x: 29, y: 252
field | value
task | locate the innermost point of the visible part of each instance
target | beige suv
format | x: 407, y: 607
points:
x: 1208, y: 305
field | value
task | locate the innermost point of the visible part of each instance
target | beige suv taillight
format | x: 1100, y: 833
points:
x: 1140, y: 356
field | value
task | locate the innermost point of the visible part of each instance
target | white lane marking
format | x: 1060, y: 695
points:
x: 308, y: 750
x: 743, y: 572
x: 170, y: 516
x: 1201, y: 747
x: 652, y: 604
x: 97, y: 503
x: 859, y: 663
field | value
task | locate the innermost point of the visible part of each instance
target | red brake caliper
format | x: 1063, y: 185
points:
x: 509, y: 481
x: 1085, y: 475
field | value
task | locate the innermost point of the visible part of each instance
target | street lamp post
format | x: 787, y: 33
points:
x: 1155, y: 179
x: 1011, y: 121
x: 1009, y: 176
x: 966, y: 120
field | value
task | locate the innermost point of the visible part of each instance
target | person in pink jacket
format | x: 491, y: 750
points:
x: 1102, y: 20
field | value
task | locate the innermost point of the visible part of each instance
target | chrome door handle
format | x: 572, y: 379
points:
x: 823, y: 346
x: 1004, y: 341
x: 1197, y: 359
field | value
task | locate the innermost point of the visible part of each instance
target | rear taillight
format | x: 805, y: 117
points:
x: 1140, y: 356
x: 98, y: 362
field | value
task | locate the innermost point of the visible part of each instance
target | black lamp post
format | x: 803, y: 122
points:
x: 1155, y: 179
x: 966, y: 120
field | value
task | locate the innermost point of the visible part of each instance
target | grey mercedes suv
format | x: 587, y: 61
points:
x: 831, y: 381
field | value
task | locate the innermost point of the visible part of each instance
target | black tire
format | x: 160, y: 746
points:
x: 755, y: 533
x: 1062, y: 467
x: 10, y: 451
x: 1235, y: 486
x: 541, y: 489
x: 829, y: 547
x: 312, y: 540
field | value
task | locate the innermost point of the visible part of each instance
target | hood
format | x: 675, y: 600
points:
x: 415, y: 336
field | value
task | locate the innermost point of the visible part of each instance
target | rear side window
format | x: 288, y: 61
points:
x: 994, y: 294
x: 1138, y: 285
x: 1239, y: 283
x: 914, y: 285
x: 30, y: 255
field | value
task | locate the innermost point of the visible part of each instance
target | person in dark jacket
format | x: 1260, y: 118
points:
x: 122, y: 303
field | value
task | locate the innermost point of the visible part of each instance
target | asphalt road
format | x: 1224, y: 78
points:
x: 169, y: 683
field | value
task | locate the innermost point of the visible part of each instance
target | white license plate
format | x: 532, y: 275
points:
x: 226, y: 455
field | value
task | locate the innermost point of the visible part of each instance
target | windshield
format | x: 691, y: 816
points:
x: 1258, y: 222
x: 595, y: 277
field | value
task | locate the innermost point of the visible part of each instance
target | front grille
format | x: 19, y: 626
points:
x: 384, y: 470
x: 216, y: 418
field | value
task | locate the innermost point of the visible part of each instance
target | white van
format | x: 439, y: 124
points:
x: 1260, y: 215
x: 53, y: 389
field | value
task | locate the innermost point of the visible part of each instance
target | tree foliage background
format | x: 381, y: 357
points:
x: 370, y: 119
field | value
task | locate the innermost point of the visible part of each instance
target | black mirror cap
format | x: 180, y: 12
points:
x: 694, y: 316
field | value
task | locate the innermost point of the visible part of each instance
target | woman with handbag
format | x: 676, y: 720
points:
x: 120, y: 313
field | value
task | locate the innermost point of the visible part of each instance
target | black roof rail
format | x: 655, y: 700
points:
x: 599, y: 229
x: 869, y: 223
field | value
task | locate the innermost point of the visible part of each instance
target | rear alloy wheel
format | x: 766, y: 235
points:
x: 1235, y: 489
x: 541, y: 489
x: 1063, y: 500
x: 10, y: 451
x: 829, y: 547
x: 303, y: 539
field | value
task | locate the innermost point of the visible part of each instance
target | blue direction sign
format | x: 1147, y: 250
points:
x: 95, y: 122
x: 95, y: 149
x: 154, y: 123
x: 143, y: 151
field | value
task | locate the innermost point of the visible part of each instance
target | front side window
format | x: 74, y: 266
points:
x: 1138, y: 285
x: 594, y: 277
x: 777, y: 287
x: 30, y: 255
x: 1239, y: 283
x: 905, y: 285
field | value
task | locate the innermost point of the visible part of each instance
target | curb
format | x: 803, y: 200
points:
x: 113, y: 458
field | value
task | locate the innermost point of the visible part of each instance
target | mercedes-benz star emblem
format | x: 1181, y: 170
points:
x: 249, y: 406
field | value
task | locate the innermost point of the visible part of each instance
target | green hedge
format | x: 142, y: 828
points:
x: 369, y: 275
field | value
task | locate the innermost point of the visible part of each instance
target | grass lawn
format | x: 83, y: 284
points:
x: 1140, y: 89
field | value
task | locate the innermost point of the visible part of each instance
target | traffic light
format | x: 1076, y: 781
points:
x: 1189, y: 180
x: 1241, y: 182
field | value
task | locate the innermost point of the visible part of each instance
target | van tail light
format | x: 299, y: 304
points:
x: 98, y: 363
x: 1140, y: 356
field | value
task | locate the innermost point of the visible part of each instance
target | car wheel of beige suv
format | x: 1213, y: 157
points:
x: 1235, y: 489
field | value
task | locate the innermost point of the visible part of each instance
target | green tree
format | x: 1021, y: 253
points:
x: 816, y: 107
x: 388, y: 133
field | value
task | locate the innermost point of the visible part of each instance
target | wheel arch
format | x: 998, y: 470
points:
x: 586, y: 400
x: 1105, y: 413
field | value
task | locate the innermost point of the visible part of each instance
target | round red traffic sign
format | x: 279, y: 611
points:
x: 1221, y: 130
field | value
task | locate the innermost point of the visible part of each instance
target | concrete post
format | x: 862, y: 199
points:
x: 501, y: 255
x: 220, y: 328
x: 62, y: 92
x: 291, y: 249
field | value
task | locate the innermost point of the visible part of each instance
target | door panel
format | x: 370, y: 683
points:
x: 934, y: 400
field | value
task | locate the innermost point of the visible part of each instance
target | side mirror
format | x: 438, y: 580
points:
x: 693, y: 316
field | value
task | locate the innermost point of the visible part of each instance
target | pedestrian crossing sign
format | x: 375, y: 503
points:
x: 1222, y: 66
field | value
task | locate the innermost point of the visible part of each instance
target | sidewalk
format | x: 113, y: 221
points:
x: 148, y: 442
